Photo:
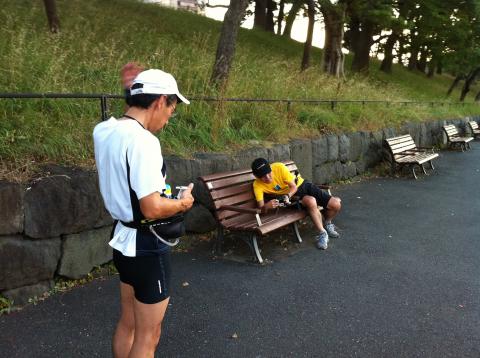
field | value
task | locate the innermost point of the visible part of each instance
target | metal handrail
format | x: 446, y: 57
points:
x: 289, y: 101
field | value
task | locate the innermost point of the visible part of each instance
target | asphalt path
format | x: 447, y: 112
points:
x: 402, y: 281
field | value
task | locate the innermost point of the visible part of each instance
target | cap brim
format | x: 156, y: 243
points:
x: 182, y: 99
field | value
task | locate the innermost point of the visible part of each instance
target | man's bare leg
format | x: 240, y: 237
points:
x: 124, y: 332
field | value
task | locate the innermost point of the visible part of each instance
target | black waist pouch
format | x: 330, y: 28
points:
x: 165, y: 230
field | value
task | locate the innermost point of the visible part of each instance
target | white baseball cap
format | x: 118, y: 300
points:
x: 157, y: 82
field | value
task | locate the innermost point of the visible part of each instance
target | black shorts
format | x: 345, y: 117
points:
x: 148, y: 275
x: 321, y: 196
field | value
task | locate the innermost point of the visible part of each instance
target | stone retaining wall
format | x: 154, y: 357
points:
x: 57, y: 225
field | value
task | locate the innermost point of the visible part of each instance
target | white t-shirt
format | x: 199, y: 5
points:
x: 118, y: 144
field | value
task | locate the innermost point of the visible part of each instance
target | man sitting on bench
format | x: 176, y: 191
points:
x: 275, y: 184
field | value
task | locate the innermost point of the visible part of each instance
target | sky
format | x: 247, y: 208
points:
x: 299, y: 30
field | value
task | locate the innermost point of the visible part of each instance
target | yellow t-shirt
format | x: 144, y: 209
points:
x: 279, y: 186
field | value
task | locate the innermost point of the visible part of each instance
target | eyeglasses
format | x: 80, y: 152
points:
x: 173, y: 113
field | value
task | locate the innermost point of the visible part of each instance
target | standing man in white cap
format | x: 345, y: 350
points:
x: 132, y: 176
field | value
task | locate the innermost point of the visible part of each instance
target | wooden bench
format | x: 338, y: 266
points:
x: 474, y: 128
x: 454, y: 138
x: 236, y: 208
x: 404, y: 152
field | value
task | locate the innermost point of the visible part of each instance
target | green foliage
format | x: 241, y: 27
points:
x: 97, y: 37
x: 5, y: 305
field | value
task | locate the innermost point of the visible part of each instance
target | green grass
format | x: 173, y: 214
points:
x: 97, y: 37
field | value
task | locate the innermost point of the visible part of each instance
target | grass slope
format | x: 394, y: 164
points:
x: 99, y: 36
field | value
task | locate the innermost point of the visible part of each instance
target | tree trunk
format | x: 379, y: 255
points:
x: 422, y: 62
x: 431, y: 68
x: 269, y: 23
x: 292, y: 14
x: 468, y: 82
x: 455, y: 82
x: 308, y: 43
x: 387, y: 62
x: 401, y: 50
x: 334, y: 19
x: 52, y: 16
x: 227, y: 41
x: 439, y: 67
x: 477, y: 97
x: 281, y: 15
x: 260, y: 19
x: 364, y: 41
x: 412, y: 61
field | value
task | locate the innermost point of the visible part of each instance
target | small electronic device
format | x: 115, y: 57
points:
x: 180, y: 189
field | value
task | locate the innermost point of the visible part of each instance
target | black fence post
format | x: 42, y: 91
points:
x: 104, y: 109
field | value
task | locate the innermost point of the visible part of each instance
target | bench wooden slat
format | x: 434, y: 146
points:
x: 224, y: 214
x: 403, y: 148
x: 230, y: 191
x: 229, y: 181
x: 235, y: 200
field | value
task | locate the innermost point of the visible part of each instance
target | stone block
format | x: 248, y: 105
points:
x: 343, y: 148
x: 199, y: 220
x: 26, y: 262
x: 180, y: 171
x: 64, y: 204
x: 83, y: 251
x: 243, y: 159
x: 278, y: 153
x: 348, y: 170
x: 327, y: 173
x: 319, y: 151
x: 356, y: 140
x: 204, y: 164
x: 361, y: 165
x: 21, y: 295
x: 301, y: 154
x: 374, y: 154
x: 389, y: 132
x: 11, y: 208
x: 210, y: 163
x: 332, y: 142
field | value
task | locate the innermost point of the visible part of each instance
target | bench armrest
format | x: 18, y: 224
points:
x: 255, y: 212
x: 240, y: 209
x: 324, y: 187
x: 427, y: 148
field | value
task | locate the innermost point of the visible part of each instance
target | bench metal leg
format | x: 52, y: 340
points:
x: 296, y: 232
x: 431, y: 165
x: 218, y: 244
x: 255, y: 248
x: 413, y: 171
x: 424, y: 171
x: 251, y: 241
x: 392, y: 169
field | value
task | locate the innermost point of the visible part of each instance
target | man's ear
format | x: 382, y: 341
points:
x: 160, y: 102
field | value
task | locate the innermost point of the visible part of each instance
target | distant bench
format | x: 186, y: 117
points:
x: 236, y: 208
x: 455, y: 139
x: 474, y: 128
x: 404, y: 152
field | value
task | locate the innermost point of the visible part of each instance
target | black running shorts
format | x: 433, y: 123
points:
x: 306, y: 188
x: 148, y: 275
